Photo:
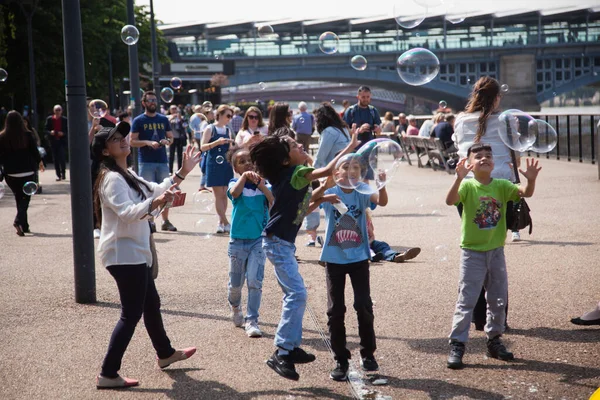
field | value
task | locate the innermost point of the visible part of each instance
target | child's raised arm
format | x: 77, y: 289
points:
x: 381, y: 197
x: 530, y: 174
x: 265, y: 190
x: 461, y: 171
x: 328, y: 169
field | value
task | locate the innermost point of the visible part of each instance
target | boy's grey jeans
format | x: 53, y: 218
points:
x: 478, y: 269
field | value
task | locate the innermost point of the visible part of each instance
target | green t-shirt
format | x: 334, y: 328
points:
x: 484, y: 210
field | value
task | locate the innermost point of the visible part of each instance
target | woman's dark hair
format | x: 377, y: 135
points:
x: 257, y: 111
x: 326, y: 116
x: 232, y: 153
x: 278, y: 117
x: 270, y: 155
x: 483, y: 99
x: 107, y: 165
x: 14, y: 136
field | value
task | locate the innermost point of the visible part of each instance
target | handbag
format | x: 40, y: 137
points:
x: 518, y: 214
x: 154, y: 257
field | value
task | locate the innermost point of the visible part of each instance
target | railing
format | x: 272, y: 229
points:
x: 577, y: 135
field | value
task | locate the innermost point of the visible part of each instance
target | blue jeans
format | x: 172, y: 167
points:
x: 246, y: 260
x: 386, y: 251
x: 154, y: 172
x: 281, y: 253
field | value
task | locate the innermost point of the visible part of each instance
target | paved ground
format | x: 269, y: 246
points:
x: 51, y: 347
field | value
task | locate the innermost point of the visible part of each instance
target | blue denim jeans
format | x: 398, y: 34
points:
x: 281, y: 253
x: 154, y: 172
x: 246, y: 260
x: 386, y: 251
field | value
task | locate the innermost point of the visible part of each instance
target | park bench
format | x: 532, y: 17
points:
x: 432, y: 148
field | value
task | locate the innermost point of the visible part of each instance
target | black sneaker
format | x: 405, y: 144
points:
x: 496, y: 349
x: 283, y: 366
x: 168, y: 226
x: 299, y: 356
x: 457, y: 351
x: 369, y: 364
x: 340, y: 373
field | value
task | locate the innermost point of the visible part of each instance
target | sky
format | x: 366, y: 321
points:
x: 176, y: 11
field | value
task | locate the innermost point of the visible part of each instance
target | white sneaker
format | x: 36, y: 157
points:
x: 227, y: 228
x: 516, y: 237
x: 252, y: 329
x: 237, y: 316
x: 220, y: 228
x: 96, y: 233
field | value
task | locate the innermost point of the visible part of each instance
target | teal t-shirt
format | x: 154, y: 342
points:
x: 250, y: 212
x: 484, y: 210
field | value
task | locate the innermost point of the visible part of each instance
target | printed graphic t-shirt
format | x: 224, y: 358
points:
x: 484, y: 210
x: 250, y: 211
x: 292, y: 199
x: 154, y: 129
x: 346, y: 237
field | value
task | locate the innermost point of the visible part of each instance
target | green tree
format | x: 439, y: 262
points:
x: 101, y: 22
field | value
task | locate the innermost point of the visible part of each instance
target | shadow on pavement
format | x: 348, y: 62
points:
x: 525, y: 242
x: 560, y: 335
x: 437, y: 389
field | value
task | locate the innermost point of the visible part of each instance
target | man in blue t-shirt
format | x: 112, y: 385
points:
x: 364, y: 115
x: 303, y: 125
x: 151, y: 132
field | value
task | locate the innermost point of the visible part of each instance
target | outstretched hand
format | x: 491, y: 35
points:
x: 191, y: 157
x: 354, y: 142
x: 462, y: 169
x: 532, y: 169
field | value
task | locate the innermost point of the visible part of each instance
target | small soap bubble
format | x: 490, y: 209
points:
x: 328, y: 42
x: 30, y: 188
x: 359, y: 63
x: 2, y: 190
x: 262, y: 86
x: 130, y: 35
x: 3, y: 75
x: 301, y: 120
x: 167, y: 94
x: 435, y: 212
x: 455, y: 19
x: 265, y: 31
x: 219, y: 159
x: 176, y: 83
x: 500, y: 302
x: 97, y: 108
x: 411, y: 22
x: 443, y: 104
x: 504, y: 88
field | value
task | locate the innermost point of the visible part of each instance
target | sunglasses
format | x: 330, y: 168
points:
x: 151, y: 101
x: 253, y: 117
x: 228, y: 115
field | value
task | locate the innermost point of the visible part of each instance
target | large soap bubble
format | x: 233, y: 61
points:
x: 417, y: 66
x: 350, y: 171
x: 384, y: 157
x: 546, y: 137
x: 359, y: 63
x: 97, y: 108
x: 130, y: 35
x: 167, y: 94
x: 329, y: 42
x: 409, y: 21
x: 518, y: 130
x: 204, y: 201
x: 176, y: 83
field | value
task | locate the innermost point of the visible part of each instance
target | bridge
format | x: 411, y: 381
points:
x: 539, y: 53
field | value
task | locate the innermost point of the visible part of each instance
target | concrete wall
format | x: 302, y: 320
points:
x: 518, y: 72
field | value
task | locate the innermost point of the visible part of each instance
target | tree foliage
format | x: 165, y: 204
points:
x: 101, y: 22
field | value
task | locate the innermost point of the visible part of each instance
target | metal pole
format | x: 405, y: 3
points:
x: 32, y: 83
x: 155, y: 64
x: 79, y: 155
x: 111, y: 84
x: 134, y: 79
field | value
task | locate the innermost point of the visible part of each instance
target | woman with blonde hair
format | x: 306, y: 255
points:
x: 387, y: 125
x: 216, y: 140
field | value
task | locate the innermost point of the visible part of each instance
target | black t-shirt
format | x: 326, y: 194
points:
x: 292, y: 199
x: 443, y: 131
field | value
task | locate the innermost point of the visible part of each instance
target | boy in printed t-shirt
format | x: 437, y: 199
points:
x: 280, y: 159
x: 482, y: 260
x: 346, y: 252
x: 251, y: 199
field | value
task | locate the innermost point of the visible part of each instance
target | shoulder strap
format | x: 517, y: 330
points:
x: 514, y: 163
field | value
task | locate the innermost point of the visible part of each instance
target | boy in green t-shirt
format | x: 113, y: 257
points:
x: 482, y: 260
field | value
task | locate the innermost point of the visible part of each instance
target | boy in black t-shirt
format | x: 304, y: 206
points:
x: 280, y: 160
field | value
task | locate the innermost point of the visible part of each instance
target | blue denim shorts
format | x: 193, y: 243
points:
x: 154, y: 172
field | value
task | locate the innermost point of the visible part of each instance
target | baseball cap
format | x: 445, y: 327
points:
x: 104, y: 134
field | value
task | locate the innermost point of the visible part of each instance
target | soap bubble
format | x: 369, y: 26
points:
x: 2, y: 190
x: 443, y: 104
x: 328, y: 42
x: 384, y: 157
x: 97, y: 108
x: 417, y: 66
x: 219, y: 159
x: 441, y: 252
x: 517, y: 130
x: 130, y: 35
x: 201, y: 228
x: 500, y: 302
x: 455, y: 19
x: 203, y: 201
x: 359, y: 63
x: 350, y: 171
x: 262, y: 86
x: 42, y: 151
x: 408, y: 22
x: 176, y: 83
x: 3, y: 75
x: 546, y: 137
x: 301, y: 120
x: 30, y: 188
x: 332, y: 101
x: 167, y: 94
x: 265, y: 31
x: 504, y: 88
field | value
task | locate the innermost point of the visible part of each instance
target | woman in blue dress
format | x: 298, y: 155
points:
x: 216, y: 140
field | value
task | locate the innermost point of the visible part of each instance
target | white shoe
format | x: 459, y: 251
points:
x: 220, y: 228
x: 96, y: 233
x: 237, y: 316
x: 516, y: 237
x: 252, y: 329
x: 227, y: 228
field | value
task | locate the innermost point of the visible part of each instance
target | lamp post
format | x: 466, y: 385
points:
x: 79, y: 155
x: 155, y: 64
x: 32, y: 84
x: 134, y: 79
